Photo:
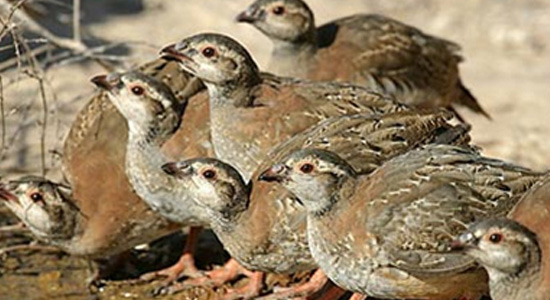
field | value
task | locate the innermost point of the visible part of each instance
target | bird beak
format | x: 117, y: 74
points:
x: 463, y: 241
x: 275, y: 173
x: 7, y: 195
x: 171, y: 52
x: 250, y: 15
x: 177, y: 169
x: 107, y: 82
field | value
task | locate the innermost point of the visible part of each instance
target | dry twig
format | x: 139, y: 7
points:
x: 76, y: 21
x: 19, y: 16
x: 27, y: 247
x: 3, y: 114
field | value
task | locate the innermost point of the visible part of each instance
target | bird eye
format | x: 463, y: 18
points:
x: 137, y: 90
x: 306, y: 168
x: 36, y: 197
x: 278, y: 10
x: 208, y: 52
x: 209, y: 174
x: 495, y: 238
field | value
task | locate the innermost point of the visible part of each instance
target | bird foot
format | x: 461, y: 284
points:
x: 314, y: 284
x: 221, y: 276
x: 231, y: 270
x: 184, y: 267
x: 249, y: 291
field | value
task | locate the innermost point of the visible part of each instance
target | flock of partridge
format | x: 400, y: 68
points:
x: 361, y: 168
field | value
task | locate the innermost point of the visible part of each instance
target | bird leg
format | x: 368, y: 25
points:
x: 314, y: 284
x: 249, y: 291
x: 184, y: 266
x: 357, y: 296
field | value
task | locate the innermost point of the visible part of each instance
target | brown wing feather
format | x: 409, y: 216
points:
x: 393, y: 58
x: 431, y: 195
x: 94, y: 161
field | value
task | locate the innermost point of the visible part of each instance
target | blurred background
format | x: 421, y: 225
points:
x: 506, y: 46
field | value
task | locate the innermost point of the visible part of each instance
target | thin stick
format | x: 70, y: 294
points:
x: 76, y: 21
x: 44, y: 124
x: 4, y: 5
x: 20, y: 16
x: 29, y: 247
x: 16, y: 227
x: 2, y: 112
x: 38, y: 74
x: 13, y: 61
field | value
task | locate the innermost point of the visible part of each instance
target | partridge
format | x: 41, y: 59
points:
x: 374, y: 51
x: 512, y: 256
x: 153, y: 115
x: 260, y: 224
x: 251, y: 112
x: 385, y: 234
x: 532, y: 212
x: 47, y: 209
x: 94, y: 152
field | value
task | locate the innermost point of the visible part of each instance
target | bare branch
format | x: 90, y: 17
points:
x: 2, y: 112
x: 20, y: 16
x: 11, y: 9
x: 76, y: 21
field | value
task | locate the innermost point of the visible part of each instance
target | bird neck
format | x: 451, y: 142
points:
x: 70, y: 231
x: 503, y: 284
x: 235, y: 93
x: 235, y: 213
x: 337, y: 199
x: 144, y: 159
x: 293, y: 58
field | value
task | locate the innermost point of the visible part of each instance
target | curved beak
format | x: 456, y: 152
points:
x: 107, y: 82
x: 101, y: 82
x: 463, y: 241
x: 177, y: 169
x: 250, y: 15
x: 7, y: 195
x: 274, y: 174
x: 171, y: 52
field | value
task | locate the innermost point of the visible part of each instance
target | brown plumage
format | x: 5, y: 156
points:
x: 533, y: 212
x: 251, y: 112
x: 385, y: 234
x: 112, y: 217
x: 262, y: 226
x: 512, y: 256
x: 374, y: 51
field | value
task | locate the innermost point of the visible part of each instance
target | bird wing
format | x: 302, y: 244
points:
x: 393, y: 57
x: 421, y: 200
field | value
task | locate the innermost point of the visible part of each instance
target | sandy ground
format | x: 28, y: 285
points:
x: 506, y: 45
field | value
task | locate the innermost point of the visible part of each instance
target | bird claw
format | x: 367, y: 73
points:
x: 185, y: 267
